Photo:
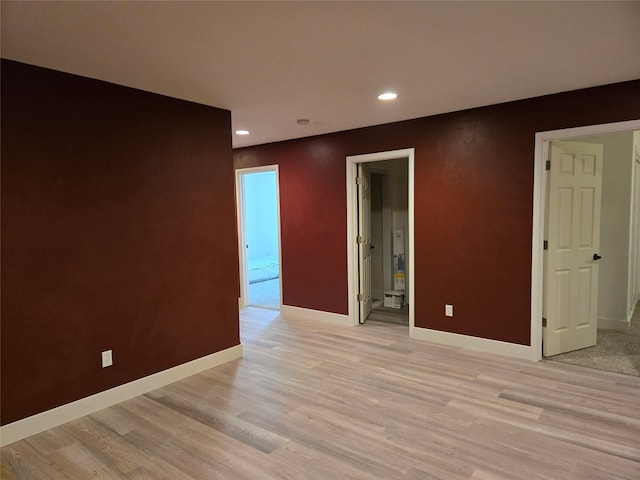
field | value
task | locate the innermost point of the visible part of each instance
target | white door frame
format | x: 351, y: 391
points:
x: 243, y: 263
x: 352, y: 225
x: 542, y: 140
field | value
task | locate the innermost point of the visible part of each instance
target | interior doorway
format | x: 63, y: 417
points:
x: 259, y: 237
x: 545, y: 235
x: 380, y: 207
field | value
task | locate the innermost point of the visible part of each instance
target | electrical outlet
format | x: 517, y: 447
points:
x: 107, y: 358
x: 448, y: 310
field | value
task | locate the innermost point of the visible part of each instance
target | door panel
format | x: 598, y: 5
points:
x: 573, y: 231
x: 565, y: 200
x: 586, y: 223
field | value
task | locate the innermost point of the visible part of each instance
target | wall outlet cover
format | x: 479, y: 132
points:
x: 448, y: 310
x: 107, y: 358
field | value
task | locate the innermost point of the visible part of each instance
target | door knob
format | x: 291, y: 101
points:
x: 596, y: 257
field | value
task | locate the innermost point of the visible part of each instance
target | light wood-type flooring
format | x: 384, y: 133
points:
x: 318, y: 401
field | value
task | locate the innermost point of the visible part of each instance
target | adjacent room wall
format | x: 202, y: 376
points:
x: 473, y: 206
x: 118, y: 232
x: 261, y: 213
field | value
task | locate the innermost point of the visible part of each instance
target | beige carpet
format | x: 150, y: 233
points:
x: 615, y: 351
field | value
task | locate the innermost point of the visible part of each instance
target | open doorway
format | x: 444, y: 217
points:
x: 586, y: 318
x: 380, y: 237
x: 259, y: 237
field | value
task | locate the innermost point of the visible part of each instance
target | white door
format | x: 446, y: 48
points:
x: 364, y: 241
x: 570, y: 304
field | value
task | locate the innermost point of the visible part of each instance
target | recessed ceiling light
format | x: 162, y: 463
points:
x: 388, y: 96
x: 242, y: 132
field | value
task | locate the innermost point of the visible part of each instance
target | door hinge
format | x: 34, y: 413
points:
x: 545, y: 245
x: 358, y: 180
x: 544, y: 322
x: 547, y: 165
x: 359, y: 240
x: 360, y: 297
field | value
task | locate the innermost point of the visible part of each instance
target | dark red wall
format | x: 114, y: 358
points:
x: 473, y: 206
x: 118, y: 232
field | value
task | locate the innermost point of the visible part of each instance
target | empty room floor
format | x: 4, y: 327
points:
x: 264, y: 282
x: 316, y: 401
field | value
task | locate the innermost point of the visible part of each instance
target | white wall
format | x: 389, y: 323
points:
x: 615, y: 229
x: 261, y: 215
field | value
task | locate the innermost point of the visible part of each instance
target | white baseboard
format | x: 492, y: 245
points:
x: 317, y: 315
x: 40, y: 422
x: 614, y: 324
x: 474, y: 343
x: 446, y: 338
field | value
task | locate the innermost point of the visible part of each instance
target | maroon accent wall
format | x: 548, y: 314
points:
x: 118, y: 232
x: 473, y: 206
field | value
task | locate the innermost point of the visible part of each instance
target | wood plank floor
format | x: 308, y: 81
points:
x: 315, y: 401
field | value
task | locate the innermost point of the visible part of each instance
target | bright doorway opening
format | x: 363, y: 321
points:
x: 259, y: 237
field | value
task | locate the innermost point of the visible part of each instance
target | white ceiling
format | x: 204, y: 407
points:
x: 271, y: 63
